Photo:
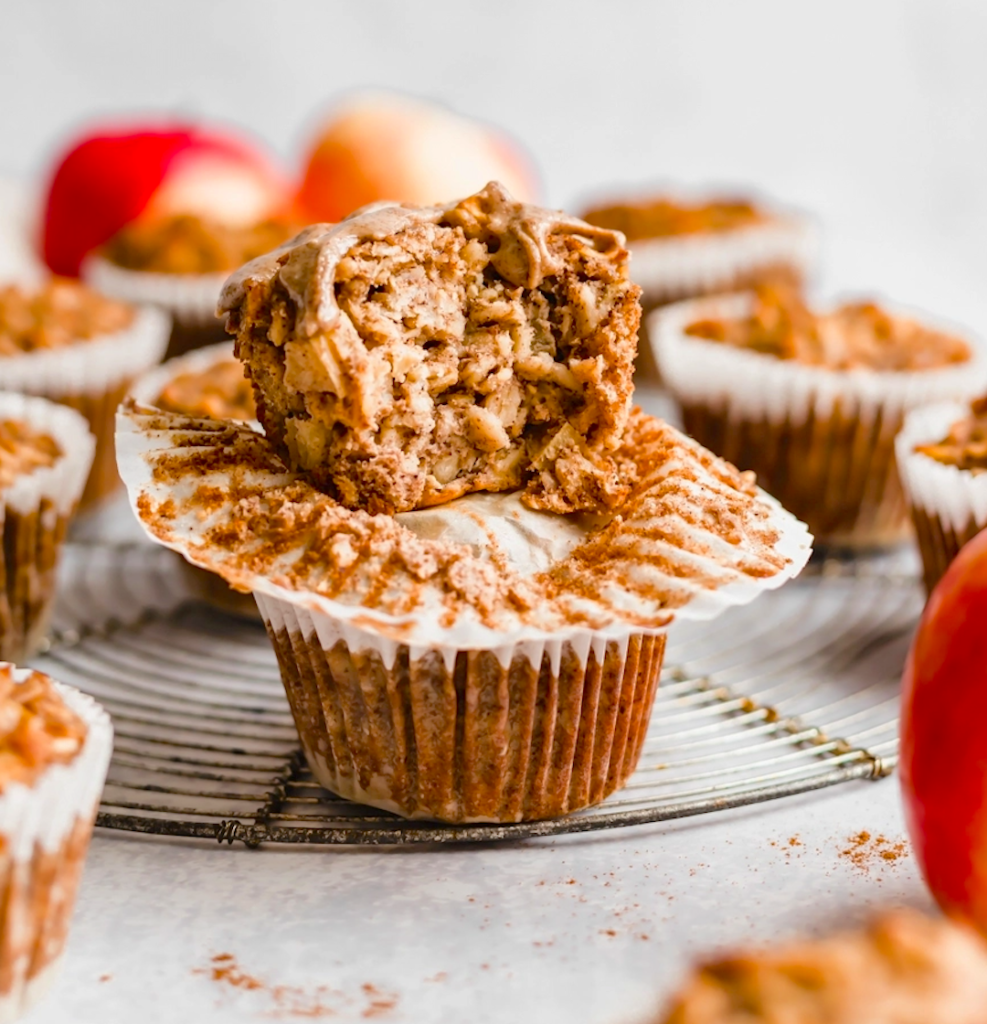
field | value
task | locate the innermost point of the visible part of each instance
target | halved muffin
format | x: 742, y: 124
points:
x: 408, y: 356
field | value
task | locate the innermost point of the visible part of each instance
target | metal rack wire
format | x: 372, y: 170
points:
x: 794, y: 693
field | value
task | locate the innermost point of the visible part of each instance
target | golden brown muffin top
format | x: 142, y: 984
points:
x: 185, y: 244
x: 664, y: 217
x: 903, y: 969
x: 965, y: 444
x: 23, y: 450
x: 61, y: 312
x: 859, y: 335
x: 37, y: 728
x: 220, y: 392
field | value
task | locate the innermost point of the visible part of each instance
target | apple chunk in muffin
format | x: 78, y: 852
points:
x: 407, y: 356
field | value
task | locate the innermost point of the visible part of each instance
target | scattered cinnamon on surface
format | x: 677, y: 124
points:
x: 866, y: 852
x: 294, y: 1001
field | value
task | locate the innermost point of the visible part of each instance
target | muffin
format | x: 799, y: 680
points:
x: 67, y: 343
x: 45, y: 454
x: 811, y: 401
x: 942, y: 457
x: 179, y: 263
x: 410, y: 355
x: 903, y: 969
x: 688, y: 248
x: 208, y: 383
x: 55, y: 747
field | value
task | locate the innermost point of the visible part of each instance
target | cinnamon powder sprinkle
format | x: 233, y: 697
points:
x: 865, y: 852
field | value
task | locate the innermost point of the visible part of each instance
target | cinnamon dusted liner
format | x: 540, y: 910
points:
x: 34, y: 516
x: 206, y: 586
x: 460, y: 721
x: 948, y: 504
x: 92, y: 377
x: 45, y: 830
x: 820, y: 440
x: 189, y: 299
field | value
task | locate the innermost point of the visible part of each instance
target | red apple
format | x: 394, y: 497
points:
x: 379, y: 147
x: 109, y: 178
x: 944, y: 737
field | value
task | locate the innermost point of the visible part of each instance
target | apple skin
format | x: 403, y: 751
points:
x: 111, y: 177
x: 943, y: 765
x: 387, y: 147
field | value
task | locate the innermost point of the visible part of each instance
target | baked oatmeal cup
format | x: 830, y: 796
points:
x: 811, y: 402
x: 902, y: 969
x: 686, y: 248
x: 942, y: 458
x: 465, y: 545
x: 179, y: 264
x: 45, y: 454
x: 55, y: 746
x: 62, y: 341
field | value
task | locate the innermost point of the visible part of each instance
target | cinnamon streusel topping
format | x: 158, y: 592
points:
x: 854, y: 336
x: 23, y: 450
x: 904, y: 969
x: 37, y: 728
x: 407, y: 356
x: 662, y: 217
x: 691, y: 522
x: 60, y: 313
x: 220, y: 392
x: 185, y: 244
x: 965, y: 446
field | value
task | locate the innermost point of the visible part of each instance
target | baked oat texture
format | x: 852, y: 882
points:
x: 903, y: 969
x: 409, y: 356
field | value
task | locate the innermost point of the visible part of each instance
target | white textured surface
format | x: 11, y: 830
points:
x: 497, y: 935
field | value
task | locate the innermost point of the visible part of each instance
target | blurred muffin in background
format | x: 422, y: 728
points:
x: 686, y: 248
x: 903, y: 969
x: 61, y: 340
x: 812, y: 401
x: 381, y: 146
x: 942, y: 456
x: 45, y: 454
x: 162, y: 215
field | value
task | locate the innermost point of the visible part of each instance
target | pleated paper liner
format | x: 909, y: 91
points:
x: 34, y: 516
x: 92, y: 377
x: 821, y: 441
x: 948, y: 504
x: 189, y: 299
x: 532, y: 731
x: 44, y: 835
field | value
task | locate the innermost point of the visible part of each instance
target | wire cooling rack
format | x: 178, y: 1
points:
x: 793, y: 693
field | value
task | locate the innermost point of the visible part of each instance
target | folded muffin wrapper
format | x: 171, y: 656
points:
x: 34, y: 516
x: 948, y: 504
x: 821, y: 441
x: 683, y: 266
x: 44, y: 834
x: 527, y: 731
x: 92, y: 377
x: 189, y: 298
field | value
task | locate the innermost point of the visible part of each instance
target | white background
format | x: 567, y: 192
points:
x: 870, y: 113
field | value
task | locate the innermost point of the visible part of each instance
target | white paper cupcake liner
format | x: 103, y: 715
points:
x: 34, y: 514
x: 43, y: 826
x: 429, y: 626
x: 682, y: 266
x: 526, y: 732
x: 954, y: 495
x: 751, y: 385
x: 189, y: 298
x: 90, y: 367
